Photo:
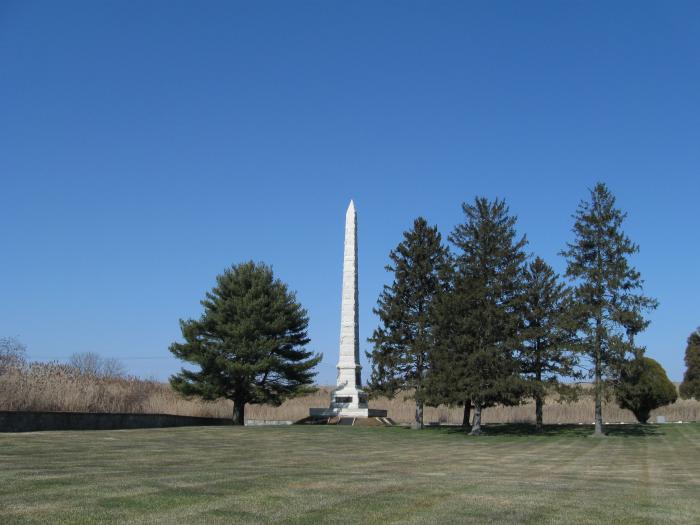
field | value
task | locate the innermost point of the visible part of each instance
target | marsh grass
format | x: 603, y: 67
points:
x: 402, y: 409
x: 56, y: 387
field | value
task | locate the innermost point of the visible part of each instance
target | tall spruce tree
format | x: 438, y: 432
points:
x: 608, y: 305
x: 249, y: 343
x: 403, y: 343
x: 548, y: 350
x: 477, y: 319
x: 690, y: 387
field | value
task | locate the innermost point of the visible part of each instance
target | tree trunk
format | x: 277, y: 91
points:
x: 239, y: 413
x: 467, y: 413
x: 476, y: 425
x: 539, y: 403
x: 419, y: 414
x: 642, y: 416
x: 598, y: 432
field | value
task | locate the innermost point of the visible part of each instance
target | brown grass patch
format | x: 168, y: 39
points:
x: 401, y: 409
x: 55, y: 387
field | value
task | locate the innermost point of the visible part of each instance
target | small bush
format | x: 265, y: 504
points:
x: 643, y: 387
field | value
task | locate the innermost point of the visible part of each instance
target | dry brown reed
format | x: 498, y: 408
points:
x: 56, y: 387
x: 401, y: 409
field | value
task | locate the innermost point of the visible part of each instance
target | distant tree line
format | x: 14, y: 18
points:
x: 474, y: 323
x: 13, y: 354
x: 483, y: 322
x: 92, y: 363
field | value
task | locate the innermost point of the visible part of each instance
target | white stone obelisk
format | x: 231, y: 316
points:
x: 348, y: 399
x: 349, y: 369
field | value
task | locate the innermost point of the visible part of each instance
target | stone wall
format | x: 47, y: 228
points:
x: 267, y: 422
x: 19, y: 421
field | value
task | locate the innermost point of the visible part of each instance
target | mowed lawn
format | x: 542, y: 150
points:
x: 304, y: 474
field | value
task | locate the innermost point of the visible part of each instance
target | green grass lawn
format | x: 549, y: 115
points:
x: 314, y: 474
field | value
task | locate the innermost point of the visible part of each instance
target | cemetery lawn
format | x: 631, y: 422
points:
x: 313, y: 474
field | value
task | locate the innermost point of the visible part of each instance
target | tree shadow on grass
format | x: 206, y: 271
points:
x: 528, y: 430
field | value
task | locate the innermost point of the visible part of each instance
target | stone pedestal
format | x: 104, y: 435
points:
x: 346, y: 412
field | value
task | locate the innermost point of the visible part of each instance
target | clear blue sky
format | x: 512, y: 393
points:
x: 146, y: 146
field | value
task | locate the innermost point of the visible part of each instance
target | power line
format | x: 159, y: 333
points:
x: 118, y: 357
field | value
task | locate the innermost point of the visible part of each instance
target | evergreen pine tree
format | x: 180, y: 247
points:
x: 477, y: 319
x: 403, y: 343
x: 607, y: 305
x: 249, y: 343
x: 547, y: 351
x: 690, y: 387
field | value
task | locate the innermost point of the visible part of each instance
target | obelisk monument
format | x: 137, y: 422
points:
x: 347, y: 399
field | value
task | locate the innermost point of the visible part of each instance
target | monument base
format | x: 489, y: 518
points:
x: 347, y: 401
x: 346, y: 412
